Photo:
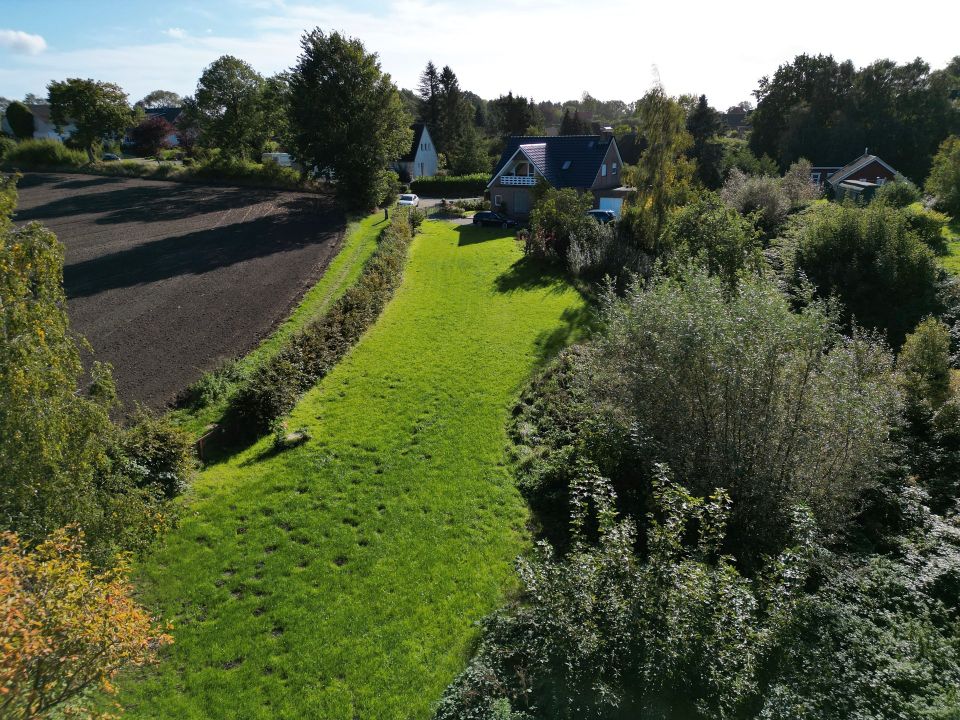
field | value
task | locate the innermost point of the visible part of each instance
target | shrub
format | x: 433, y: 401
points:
x: 21, y: 121
x: 603, y: 633
x: 556, y: 216
x: 928, y: 226
x: 720, y: 237
x: 797, y: 184
x: 870, y: 259
x: 811, y: 409
x: 158, y: 454
x: 308, y: 356
x: 758, y: 194
x: 44, y: 154
x: 899, y: 193
x: 944, y: 180
x: 222, y: 167
x: 7, y: 146
x: 212, y: 386
x: 67, y: 629
x: 451, y: 186
x: 473, y: 204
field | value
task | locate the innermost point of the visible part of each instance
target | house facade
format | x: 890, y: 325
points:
x: 865, y: 169
x: 43, y: 127
x: 421, y: 160
x: 588, y: 163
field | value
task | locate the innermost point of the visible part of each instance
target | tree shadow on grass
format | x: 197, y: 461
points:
x: 575, y: 325
x: 529, y: 273
x: 474, y: 234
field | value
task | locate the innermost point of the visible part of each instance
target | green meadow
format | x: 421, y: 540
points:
x: 343, y: 578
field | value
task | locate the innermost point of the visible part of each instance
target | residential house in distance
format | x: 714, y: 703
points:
x: 171, y: 115
x: 421, y: 160
x: 43, y: 127
x: 588, y: 163
x: 858, y: 179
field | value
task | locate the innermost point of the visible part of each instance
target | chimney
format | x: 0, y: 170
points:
x: 606, y: 132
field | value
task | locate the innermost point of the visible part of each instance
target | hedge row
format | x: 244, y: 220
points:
x: 274, y: 388
x: 450, y: 186
x: 45, y: 153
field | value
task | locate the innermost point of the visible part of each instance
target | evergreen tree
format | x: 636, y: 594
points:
x: 428, y: 91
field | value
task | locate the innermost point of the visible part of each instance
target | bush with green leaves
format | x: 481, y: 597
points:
x: 7, y: 146
x: 900, y: 193
x: 158, y: 454
x: 605, y: 633
x: 759, y: 194
x: 31, y: 154
x: 212, y: 386
x: 928, y: 225
x: 309, y: 355
x: 870, y: 258
x: 731, y: 390
x: 61, y: 458
x: 558, y: 214
x: 944, y: 180
x: 21, y: 120
x: 708, y: 231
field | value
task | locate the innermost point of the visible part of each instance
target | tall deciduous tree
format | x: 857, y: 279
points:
x: 663, y: 173
x: 944, y: 180
x: 226, y: 109
x: 151, y: 135
x: 346, y: 116
x: 160, y: 99
x: 98, y: 110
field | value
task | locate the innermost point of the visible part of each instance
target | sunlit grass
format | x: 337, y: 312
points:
x: 342, y: 578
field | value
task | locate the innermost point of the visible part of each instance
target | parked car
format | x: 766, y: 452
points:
x: 108, y: 157
x: 488, y: 218
x: 409, y: 200
x: 602, y: 216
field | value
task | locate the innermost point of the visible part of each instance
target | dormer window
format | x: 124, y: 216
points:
x: 566, y: 165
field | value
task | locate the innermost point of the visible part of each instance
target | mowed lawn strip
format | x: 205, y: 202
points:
x: 343, y: 578
x: 359, y: 244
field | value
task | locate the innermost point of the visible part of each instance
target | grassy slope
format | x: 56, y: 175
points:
x: 360, y: 242
x: 951, y: 261
x: 342, y: 578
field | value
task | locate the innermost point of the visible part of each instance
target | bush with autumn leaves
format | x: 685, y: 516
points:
x: 66, y: 627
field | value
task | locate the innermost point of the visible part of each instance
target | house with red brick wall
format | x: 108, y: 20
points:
x: 588, y: 163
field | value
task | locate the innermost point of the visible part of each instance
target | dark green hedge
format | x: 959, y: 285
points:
x: 451, y: 186
x: 308, y: 356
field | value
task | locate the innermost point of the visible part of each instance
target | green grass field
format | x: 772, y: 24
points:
x: 360, y: 242
x: 343, y: 578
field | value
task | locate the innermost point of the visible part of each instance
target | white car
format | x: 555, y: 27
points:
x: 409, y: 200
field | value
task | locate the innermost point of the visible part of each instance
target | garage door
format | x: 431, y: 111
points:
x: 611, y: 204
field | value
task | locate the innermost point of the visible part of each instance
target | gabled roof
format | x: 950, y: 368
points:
x: 858, y: 164
x: 170, y: 114
x: 580, y: 154
x: 418, y: 130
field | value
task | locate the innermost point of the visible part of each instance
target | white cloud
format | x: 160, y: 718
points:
x: 21, y: 42
x: 176, y: 33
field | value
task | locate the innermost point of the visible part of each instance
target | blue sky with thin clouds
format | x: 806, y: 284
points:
x: 545, y: 49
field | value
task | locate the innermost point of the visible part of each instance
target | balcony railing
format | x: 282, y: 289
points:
x: 518, y: 180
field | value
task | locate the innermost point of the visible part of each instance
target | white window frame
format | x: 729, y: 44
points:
x: 497, y: 200
x: 613, y: 169
x: 603, y: 170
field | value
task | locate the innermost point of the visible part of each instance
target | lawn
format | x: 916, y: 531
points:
x: 343, y: 578
x: 360, y: 242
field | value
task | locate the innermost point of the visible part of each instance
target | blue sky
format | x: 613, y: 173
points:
x: 547, y: 49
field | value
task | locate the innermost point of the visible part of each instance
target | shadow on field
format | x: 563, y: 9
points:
x: 530, y: 273
x: 91, y: 182
x: 575, y: 323
x: 195, y: 253
x: 473, y: 234
x: 147, y: 203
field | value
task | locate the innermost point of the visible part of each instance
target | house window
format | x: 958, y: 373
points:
x: 613, y: 169
x: 497, y: 199
x: 603, y: 170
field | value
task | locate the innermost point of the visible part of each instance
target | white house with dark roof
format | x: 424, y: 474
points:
x: 588, y: 163
x: 43, y: 127
x: 421, y: 160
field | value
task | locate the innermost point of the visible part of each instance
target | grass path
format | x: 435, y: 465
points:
x: 342, y: 578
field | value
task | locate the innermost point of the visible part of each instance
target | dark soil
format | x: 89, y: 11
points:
x: 166, y: 280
